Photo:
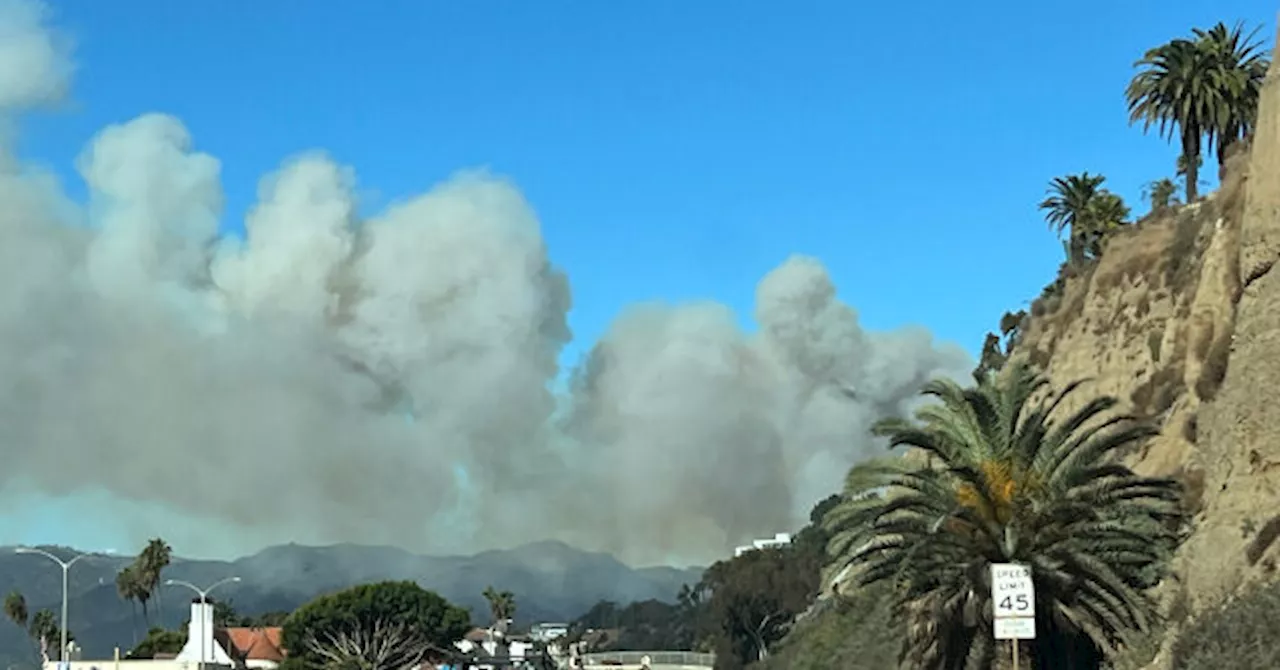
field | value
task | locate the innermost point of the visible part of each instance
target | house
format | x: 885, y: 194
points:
x: 220, y: 649
x: 484, y: 644
x: 778, y: 540
x: 254, y: 648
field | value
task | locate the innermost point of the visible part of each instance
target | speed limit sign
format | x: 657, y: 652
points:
x: 1013, y: 597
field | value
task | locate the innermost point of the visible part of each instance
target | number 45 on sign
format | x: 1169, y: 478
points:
x: 1013, y: 594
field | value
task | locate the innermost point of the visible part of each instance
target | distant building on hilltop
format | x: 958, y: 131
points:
x: 778, y: 540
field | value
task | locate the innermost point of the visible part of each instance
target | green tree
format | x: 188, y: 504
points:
x: 754, y: 598
x: 856, y: 628
x: 643, y: 625
x: 1239, y: 65
x: 502, y: 605
x: 1162, y: 194
x: 159, y: 641
x: 1175, y: 88
x: 387, y: 624
x: 149, y: 568
x: 15, y: 608
x: 128, y: 588
x: 43, y: 628
x: 1078, y: 205
x: 1002, y: 479
x: 1204, y: 85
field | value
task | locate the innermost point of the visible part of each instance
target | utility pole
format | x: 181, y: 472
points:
x: 66, y: 567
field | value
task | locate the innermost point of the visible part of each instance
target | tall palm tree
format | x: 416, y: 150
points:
x: 1080, y: 206
x: 1239, y: 65
x: 1205, y: 85
x: 128, y: 589
x: 151, y: 562
x: 1005, y: 480
x: 1176, y: 87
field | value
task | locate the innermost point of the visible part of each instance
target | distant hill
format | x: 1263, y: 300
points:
x: 551, y: 580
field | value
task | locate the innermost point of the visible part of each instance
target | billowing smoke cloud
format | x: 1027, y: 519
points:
x: 389, y: 380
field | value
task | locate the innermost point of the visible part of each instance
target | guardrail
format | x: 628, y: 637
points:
x: 655, y: 658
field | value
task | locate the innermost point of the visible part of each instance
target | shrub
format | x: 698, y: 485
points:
x: 1238, y: 634
x: 853, y: 633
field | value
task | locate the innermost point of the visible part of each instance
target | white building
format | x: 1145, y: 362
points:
x: 490, y: 642
x: 778, y: 540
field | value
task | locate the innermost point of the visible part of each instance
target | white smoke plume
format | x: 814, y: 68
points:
x: 389, y: 380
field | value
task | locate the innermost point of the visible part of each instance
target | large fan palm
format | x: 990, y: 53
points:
x: 1001, y: 481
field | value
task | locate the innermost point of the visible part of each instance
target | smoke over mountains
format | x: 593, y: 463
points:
x: 389, y: 380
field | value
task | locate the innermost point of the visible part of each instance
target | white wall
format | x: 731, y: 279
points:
x: 132, y: 664
x: 200, y: 638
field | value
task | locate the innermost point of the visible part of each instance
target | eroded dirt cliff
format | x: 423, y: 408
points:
x: 1180, y: 318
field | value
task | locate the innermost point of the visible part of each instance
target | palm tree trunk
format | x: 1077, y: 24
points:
x: 133, y: 619
x: 1191, y: 160
x: 1225, y: 143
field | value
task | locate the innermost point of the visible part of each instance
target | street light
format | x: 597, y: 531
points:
x: 66, y: 566
x: 204, y: 600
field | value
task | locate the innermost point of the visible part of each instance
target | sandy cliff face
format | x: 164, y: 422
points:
x: 1181, y: 319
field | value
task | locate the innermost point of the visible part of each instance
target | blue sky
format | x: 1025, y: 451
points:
x: 675, y: 150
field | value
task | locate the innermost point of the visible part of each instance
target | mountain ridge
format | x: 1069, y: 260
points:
x: 552, y: 581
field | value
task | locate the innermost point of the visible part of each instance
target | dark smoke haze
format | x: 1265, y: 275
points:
x: 268, y: 385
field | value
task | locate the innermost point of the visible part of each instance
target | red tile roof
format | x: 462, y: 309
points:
x: 256, y: 644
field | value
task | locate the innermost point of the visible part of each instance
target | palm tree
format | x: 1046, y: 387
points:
x: 502, y: 604
x: 1079, y: 205
x: 1176, y: 87
x: 1239, y: 65
x: 151, y: 562
x: 1206, y: 85
x: 44, y: 630
x: 1162, y: 193
x: 1002, y: 481
x: 15, y: 608
x: 128, y: 589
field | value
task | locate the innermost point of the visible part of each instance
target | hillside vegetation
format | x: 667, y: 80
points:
x: 1121, y: 439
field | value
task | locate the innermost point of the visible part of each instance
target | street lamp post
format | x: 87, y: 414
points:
x: 66, y: 567
x: 204, y: 600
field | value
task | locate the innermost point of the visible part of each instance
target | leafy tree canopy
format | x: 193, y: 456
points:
x: 159, y: 641
x: 366, y: 620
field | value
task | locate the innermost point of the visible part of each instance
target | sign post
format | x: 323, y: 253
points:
x: 1013, y: 597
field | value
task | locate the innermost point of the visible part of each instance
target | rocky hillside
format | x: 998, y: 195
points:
x: 1181, y: 319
